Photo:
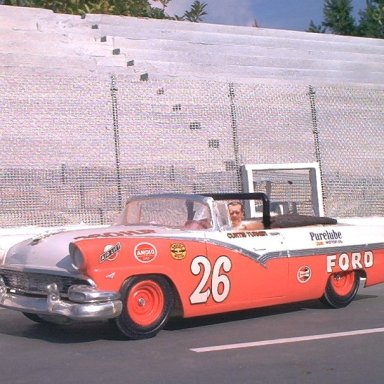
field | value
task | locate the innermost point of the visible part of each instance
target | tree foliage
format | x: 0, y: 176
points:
x: 138, y: 8
x: 196, y: 13
x: 372, y: 19
x: 316, y: 28
x: 338, y: 19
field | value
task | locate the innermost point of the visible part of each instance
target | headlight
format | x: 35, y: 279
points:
x: 77, y: 257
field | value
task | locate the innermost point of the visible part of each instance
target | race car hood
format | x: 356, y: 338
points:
x: 50, y: 250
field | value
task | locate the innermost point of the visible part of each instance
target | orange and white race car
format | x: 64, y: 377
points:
x: 179, y: 253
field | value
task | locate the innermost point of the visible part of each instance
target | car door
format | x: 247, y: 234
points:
x: 250, y: 267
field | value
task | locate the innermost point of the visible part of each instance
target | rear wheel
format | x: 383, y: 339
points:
x: 341, y: 289
x: 147, y: 303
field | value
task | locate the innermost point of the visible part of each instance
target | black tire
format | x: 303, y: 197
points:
x: 147, y: 304
x: 341, y: 289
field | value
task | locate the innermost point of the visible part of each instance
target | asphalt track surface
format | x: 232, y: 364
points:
x: 297, y: 343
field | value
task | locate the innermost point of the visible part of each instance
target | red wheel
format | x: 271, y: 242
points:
x: 147, y: 303
x: 342, y: 282
x: 341, y: 288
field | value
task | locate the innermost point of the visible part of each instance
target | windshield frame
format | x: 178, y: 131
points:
x: 204, y: 201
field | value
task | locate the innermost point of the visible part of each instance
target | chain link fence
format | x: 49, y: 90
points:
x: 75, y: 146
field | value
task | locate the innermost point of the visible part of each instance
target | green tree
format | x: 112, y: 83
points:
x: 196, y: 13
x: 315, y: 28
x: 17, y: 3
x: 338, y: 17
x: 372, y: 19
x: 138, y: 8
x: 164, y: 3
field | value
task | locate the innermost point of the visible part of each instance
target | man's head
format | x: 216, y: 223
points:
x: 236, y: 212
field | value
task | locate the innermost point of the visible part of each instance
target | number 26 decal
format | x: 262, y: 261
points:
x: 215, y: 283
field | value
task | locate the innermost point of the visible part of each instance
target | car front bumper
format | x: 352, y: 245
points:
x: 83, y: 302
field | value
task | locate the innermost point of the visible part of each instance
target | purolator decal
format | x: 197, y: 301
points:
x: 110, y: 253
x: 145, y: 252
x: 178, y: 251
x: 326, y: 237
x: 352, y: 260
x: 304, y: 274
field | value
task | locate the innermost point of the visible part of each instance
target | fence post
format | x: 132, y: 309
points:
x: 315, y: 131
x: 235, y: 133
x: 116, y: 136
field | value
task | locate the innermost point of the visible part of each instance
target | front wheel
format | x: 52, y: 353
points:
x: 147, y: 303
x: 341, y: 289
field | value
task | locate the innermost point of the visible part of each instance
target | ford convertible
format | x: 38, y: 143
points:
x: 178, y: 254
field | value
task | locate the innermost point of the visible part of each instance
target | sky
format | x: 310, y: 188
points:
x: 274, y: 14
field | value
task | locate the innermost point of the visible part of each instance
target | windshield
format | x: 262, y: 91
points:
x: 167, y: 211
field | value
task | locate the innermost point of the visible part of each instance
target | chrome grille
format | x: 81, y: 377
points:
x: 35, y: 283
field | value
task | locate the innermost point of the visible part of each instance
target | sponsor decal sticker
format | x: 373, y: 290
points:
x: 145, y: 252
x: 110, y: 253
x: 326, y: 237
x: 178, y: 251
x: 304, y: 274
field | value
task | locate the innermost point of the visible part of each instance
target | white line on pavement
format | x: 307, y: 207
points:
x: 286, y: 340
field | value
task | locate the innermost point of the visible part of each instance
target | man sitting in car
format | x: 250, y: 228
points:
x: 236, y: 213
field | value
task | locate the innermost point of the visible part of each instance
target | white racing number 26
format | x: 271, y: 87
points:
x: 219, y: 284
